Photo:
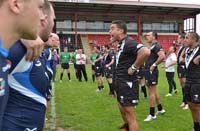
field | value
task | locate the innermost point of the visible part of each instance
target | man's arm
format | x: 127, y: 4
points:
x: 182, y: 57
x: 161, y: 57
x: 142, y: 56
x: 197, y: 60
x: 34, y: 48
x: 99, y: 59
x: 109, y: 64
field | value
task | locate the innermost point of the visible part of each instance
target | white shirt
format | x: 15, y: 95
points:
x: 80, y: 59
x: 170, y: 58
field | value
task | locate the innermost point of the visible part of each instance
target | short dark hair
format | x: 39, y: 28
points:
x: 182, y: 35
x: 121, y: 25
x: 1, y: 1
x: 98, y: 47
x: 46, y: 7
x: 194, y: 35
x: 107, y: 46
x: 174, y: 47
x: 155, y: 34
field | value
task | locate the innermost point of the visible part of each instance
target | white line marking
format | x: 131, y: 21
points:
x: 53, y: 109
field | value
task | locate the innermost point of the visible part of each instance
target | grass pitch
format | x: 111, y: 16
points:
x: 80, y: 108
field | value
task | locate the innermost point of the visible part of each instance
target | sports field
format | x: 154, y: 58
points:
x: 80, y: 108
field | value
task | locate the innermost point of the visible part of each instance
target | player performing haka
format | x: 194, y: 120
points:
x: 129, y: 57
x: 192, y: 64
x: 151, y: 74
x: 108, y: 61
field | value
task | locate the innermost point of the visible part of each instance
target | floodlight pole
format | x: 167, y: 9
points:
x: 139, y: 29
x: 195, y: 23
x: 76, y: 29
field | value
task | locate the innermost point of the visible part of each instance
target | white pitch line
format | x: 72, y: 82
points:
x: 53, y: 109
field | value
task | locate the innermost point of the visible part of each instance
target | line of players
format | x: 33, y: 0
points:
x: 25, y: 73
x: 103, y: 60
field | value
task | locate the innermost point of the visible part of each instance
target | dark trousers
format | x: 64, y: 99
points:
x: 54, y: 72
x: 81, y: 69
x: 171, y: 82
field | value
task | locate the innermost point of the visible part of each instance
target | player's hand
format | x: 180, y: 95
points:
x: 130, y: 71
x: 197, y: 60
x: 182, y: 60
x: 101, y: 57
x: 152, y: 68
x: 34, y: 48
x: 107, y: 66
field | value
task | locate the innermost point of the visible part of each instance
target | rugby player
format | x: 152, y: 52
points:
x: 192, y: 90
x: 129, y: 57
x: 13, y: 26
x: 98, y: 68
x: 108, y: 61
x: 181, y: 69
x: 151, y: 74
x: 28, y: 83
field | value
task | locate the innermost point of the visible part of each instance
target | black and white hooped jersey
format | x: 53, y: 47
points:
x: 125, y: 58
x: 29, y: 79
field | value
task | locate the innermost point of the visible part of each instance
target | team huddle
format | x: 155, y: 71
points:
x: 27, y: 69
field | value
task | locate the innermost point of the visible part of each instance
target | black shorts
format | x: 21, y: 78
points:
x: 140, y: 73
x: 109, y: 72
x: 151, y: 77
x: 127, y: 92
x: 181, y: 71
x: 98, y: 71
x: 75, y: 66
x: 65, y: 65
x: 192, y: 92
x: 93, y: 67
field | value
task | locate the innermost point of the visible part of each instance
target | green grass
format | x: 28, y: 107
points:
x: 80, y: 108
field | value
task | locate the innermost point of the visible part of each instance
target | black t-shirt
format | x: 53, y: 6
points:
x: 108, y: 58
x: 125, y: 58
x: 155, y: 48
x: 98, y: 63
x: 192, y: 70
x: 179, y: 55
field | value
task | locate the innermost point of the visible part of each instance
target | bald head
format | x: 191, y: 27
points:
x: 54, y: 40
x: 54, y: 35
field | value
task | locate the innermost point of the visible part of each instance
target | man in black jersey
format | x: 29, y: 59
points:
x: 151, y: 74
x: 98, y: 68
x: 181, y: 68
x: 108, y: 61
x: 129, y: 57
x: 192, y: 85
